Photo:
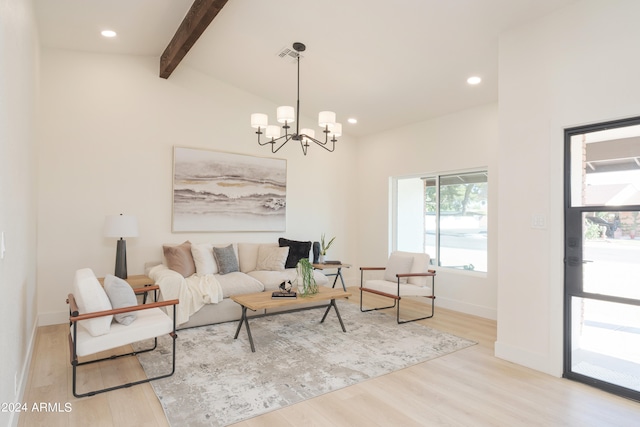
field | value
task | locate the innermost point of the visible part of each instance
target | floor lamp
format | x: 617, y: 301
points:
x: 121, y: 226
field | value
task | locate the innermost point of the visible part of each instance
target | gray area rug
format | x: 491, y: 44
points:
x: 219, y: 381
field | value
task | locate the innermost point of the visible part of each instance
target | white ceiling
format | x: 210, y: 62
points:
x: 387, y: 63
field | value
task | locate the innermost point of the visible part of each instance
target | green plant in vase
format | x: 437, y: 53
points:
x: 305, y: 274
x: 324, y: 247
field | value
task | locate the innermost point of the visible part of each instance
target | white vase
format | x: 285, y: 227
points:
x: 321, y: 259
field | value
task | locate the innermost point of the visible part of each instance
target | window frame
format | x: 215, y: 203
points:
x: 394, y: 214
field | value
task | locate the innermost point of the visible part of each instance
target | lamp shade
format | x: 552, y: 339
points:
x: 326, y: 118
x: 121, y: 226
x: 336, y: 130
x: 273, y: 132
x: 308, y: 132
x: 286, y: 114
x: 259, y: 120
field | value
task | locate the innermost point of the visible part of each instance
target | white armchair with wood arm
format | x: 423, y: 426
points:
x: 92, y: 330
x: 406, y: 275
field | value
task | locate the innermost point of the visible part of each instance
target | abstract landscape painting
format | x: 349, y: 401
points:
x: 216, y: 191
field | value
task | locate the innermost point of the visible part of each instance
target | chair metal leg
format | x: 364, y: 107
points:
x: 432, y: 297
x: 75, y: 363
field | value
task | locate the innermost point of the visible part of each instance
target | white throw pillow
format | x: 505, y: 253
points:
x: 271, y: 258
x: 121, y: 295
x: 203, y: 258
x: 90, y: 297
x: 398, y: 264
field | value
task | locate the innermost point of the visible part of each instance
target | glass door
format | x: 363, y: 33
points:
x: 602, y: 256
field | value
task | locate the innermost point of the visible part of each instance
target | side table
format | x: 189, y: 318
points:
x: 337, y: 274
x: 139, y: 282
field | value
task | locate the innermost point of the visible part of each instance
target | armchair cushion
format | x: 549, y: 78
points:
x: 91, y: 297
x: 398, y: 264
x: 150, y: 324
x: 421, y: 263
x: 391, y: 288
x: 120, y: 295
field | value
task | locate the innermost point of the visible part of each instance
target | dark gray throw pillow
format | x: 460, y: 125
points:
x: 226, y: 259
x: 297, y: 251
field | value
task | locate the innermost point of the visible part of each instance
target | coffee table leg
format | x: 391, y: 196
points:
x: 333, y: 304
x: 246, y: 322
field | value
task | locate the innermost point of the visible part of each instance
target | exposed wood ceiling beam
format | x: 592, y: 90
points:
x: 193, y: 25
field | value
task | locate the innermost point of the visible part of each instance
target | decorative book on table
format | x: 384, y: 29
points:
x: 283, y: 295
x: 332, y: 262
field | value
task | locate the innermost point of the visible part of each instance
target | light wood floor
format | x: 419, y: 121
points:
x: 467, y: 388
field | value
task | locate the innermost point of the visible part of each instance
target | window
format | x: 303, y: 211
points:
x: 444, y: 216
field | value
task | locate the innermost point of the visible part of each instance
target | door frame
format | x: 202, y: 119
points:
x: 573, y: 257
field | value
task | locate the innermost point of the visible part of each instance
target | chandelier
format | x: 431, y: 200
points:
x: 287, y: 115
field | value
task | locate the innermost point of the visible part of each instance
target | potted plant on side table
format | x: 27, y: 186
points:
x: 324, y: 247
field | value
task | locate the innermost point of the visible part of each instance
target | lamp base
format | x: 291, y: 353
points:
x: 121, y: 259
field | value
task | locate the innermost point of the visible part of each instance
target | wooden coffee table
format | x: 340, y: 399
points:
x: 263, y: 300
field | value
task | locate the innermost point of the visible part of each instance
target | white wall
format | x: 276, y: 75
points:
x: 18, y: 90
x: 109, y: 125
x: 574, y: 67
x: 459, y: 141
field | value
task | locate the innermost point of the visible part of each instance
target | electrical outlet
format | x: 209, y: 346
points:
x: 538, y: 221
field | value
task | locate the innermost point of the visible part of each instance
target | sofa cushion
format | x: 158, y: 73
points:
x: 178, y: 258
x: 297, y: 251
x: 120, y: 295
x: 398, y: 264
x: 271, y: 258
x: 248, y: 255
x: 238, y: 283
x: 226, y: 259
x: 272, y: 279
x: 91, y: 297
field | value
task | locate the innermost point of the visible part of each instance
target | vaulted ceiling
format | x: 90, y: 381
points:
x: 386, y: 63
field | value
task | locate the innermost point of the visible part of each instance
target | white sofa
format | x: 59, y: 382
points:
x: 205, y: 294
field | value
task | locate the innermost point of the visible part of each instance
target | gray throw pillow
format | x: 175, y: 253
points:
x: 226, y: 259
x: 121, y: 295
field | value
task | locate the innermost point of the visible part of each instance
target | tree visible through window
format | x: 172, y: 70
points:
x: 454, y: 218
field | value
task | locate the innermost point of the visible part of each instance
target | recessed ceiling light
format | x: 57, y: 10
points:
x: 352, y: 121
x: 474, y: 80
x: 108, y: 33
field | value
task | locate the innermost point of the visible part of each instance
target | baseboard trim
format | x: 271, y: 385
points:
x: 24, y: 374
x: 536, y: 361
x: 55, y: 318
x: 463, y: 307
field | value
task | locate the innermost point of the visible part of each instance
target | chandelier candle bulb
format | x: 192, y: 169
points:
x: 326, y: 118
x: 286, y: 114
x: 259, y: 120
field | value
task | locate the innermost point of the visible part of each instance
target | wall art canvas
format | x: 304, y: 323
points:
x: 217, y: 191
